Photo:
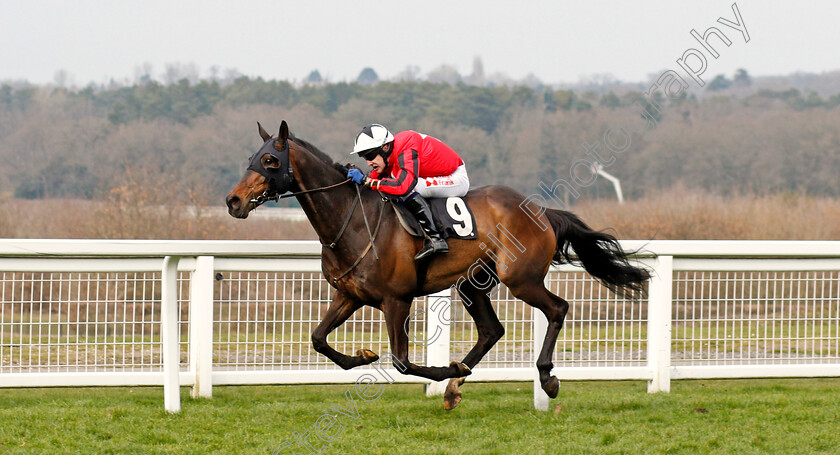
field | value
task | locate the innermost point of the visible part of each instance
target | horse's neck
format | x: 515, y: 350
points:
x: 328, y: 209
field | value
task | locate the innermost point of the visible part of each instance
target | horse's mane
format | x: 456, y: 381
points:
x: 321, y: 155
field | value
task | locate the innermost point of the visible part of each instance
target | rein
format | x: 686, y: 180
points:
x: 265, y: 197
x: 372, y: 236
x: 367, y: 249
x: 345, y: 224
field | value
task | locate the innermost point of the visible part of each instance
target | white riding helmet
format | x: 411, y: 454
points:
x: 372, y: 136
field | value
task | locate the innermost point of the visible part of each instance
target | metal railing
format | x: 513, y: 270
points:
x: 199, y: 313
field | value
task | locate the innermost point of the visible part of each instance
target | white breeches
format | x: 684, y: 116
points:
x: 455, y: 184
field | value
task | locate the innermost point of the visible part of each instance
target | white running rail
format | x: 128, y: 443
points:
x: 199, y: 313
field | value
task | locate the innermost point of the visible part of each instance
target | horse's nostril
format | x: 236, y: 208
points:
x: 234, y: 202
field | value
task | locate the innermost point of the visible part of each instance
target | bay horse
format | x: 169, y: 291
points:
x: 514, y: 247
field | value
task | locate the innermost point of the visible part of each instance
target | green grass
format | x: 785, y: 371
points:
x: 734, y: 416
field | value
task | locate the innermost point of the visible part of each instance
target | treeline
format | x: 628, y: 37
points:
x: 195, y: 137
x: 182, y: 102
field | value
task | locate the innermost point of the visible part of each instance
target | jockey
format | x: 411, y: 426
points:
x: 411, y: 166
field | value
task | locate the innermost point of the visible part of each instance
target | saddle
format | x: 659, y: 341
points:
x: 453, y: 218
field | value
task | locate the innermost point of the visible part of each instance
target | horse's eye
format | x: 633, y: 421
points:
x: 270, y: 162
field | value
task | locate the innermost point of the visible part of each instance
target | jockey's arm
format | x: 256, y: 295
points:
x: 405, y: 177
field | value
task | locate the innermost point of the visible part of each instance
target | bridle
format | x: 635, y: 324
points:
x: 281, y: 178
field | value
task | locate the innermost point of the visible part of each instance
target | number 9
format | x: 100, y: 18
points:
x: 457, y: 210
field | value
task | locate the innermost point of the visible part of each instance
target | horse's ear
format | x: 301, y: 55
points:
x: 283, y: 135
x: 263, y: 133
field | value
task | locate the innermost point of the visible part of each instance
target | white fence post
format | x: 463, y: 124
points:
x: 659, y: 324
x: 437, y: 335
x: 201, y: 327
x: 170, y: 334
x: 540, y: 329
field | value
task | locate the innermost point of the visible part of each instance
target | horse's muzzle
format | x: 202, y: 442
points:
x: 236, y: 207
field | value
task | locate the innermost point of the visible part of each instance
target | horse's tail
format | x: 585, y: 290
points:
x: 599, y: 253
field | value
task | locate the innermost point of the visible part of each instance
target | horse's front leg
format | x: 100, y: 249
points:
x: 396, y: 316
x: 341, y: 308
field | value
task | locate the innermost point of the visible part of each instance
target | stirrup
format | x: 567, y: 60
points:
x: 431, y: 246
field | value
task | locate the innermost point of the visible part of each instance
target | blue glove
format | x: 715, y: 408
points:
x: 355, y: 175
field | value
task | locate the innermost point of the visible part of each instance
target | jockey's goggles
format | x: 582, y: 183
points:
x: 369, y: 155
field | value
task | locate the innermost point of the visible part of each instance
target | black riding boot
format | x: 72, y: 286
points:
x: 421, y: 210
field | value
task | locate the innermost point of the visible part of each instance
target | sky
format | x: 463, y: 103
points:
x: 556, y: 41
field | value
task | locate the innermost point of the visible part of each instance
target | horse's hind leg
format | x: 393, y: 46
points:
x: 555, y: 309
x: 490, y: 330
x: 341, y: 308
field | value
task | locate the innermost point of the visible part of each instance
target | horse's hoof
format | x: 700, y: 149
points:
x: 462, y: 370
x: 451, y: 402
x: 552, y: 387
x: 368, y: 355
x: 452, y: 395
